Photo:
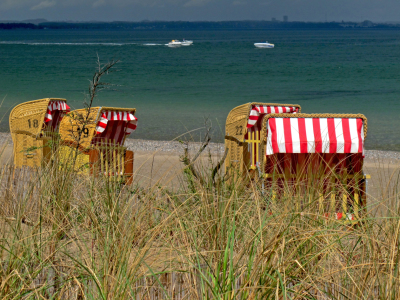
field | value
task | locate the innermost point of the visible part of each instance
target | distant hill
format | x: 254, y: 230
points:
x: 181, y: 25
x: 25, y: 24
x: 222, y: 25
x: 164, y: 25
x: 19, y: 26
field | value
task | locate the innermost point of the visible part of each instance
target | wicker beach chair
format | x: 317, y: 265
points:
x: 242, y: 135
x: 319, y: 155
x: 98, y: 147
x: 33, y: 124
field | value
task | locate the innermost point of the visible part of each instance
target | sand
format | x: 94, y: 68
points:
x: 158, y: 162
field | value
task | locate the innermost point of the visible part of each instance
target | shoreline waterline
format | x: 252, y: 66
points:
x: 176, y: 147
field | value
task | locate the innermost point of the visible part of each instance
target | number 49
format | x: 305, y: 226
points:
x: 85, y: 131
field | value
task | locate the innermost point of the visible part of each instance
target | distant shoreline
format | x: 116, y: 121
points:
x: 203, y: 25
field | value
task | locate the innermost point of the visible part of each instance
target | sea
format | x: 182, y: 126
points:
x: 177, y: 90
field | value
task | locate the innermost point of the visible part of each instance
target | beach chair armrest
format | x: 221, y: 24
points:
x: 232, y: 138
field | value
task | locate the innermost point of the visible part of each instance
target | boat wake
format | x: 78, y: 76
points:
x: 152, y: 44
x: 75, y: 44
x: 65, y: 44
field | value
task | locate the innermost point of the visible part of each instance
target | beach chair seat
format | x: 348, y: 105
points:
x: 33, y: 125
x: 94, y: 141
x: 319, y: 155
x: 243, y: 135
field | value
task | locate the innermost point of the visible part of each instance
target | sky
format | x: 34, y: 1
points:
x: 201, y: 10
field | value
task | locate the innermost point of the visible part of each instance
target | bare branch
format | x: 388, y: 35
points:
x: 95, y: 85
x: 220, y: 163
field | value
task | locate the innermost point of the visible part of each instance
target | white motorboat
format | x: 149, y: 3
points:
x: 174, y: 44
x: 186, y: 43
x: 264, y: 45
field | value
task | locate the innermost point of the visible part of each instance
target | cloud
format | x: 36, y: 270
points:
x: 43, y: 4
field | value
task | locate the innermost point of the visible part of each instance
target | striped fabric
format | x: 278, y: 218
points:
x: 54, y: 114
x: 124, y: 116
x: 113, y: 134
x: 252, y: 136
x: 54, y: 106
x: 315, y: 135
x: 260, y: 110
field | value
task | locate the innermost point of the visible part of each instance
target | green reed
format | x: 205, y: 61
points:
x: 66, y: 235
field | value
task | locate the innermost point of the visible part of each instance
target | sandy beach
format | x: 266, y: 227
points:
x: 158, y: 162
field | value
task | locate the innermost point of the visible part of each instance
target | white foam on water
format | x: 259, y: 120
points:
x: 65, y: 44
x: 152, y: 44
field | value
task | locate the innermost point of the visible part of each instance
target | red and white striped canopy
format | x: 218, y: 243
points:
x: 53, y: 106
x: 315, y: 135
x: 117, y: 116
x: 259, y: 110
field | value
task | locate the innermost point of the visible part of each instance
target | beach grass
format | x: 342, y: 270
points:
x: 66, y: 235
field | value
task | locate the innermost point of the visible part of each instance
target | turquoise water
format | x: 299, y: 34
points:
x: 175, y: 89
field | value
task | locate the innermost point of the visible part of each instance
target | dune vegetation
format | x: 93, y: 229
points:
x: 66, y: 235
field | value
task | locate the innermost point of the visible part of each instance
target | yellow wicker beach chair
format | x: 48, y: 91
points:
x: 94, y: 141
x: 242, y: 134
x: 33, y: 124
x: 319, y: 155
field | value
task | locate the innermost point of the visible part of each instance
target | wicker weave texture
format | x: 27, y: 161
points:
x: 68, y: 156
x: 28, y: 117
x: 29, y: 151
x: 235, y: 130
x: 234, y: 136
x: 72, y: 124
x: 107, y: 159
x: 26, y: 123
x: 106, y: 108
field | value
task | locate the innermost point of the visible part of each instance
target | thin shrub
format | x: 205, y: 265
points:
x: 69, y: 236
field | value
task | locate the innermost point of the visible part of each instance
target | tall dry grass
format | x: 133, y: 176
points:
x: 69, y: 236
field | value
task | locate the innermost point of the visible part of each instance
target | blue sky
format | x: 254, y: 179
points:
x: 201, y: 10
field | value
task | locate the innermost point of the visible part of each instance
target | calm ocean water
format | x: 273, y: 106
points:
x: 175, y: 89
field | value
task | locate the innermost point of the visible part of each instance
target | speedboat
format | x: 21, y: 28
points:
x: 264, y: 45
x: 186, y: 43
x: 174, y: 44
